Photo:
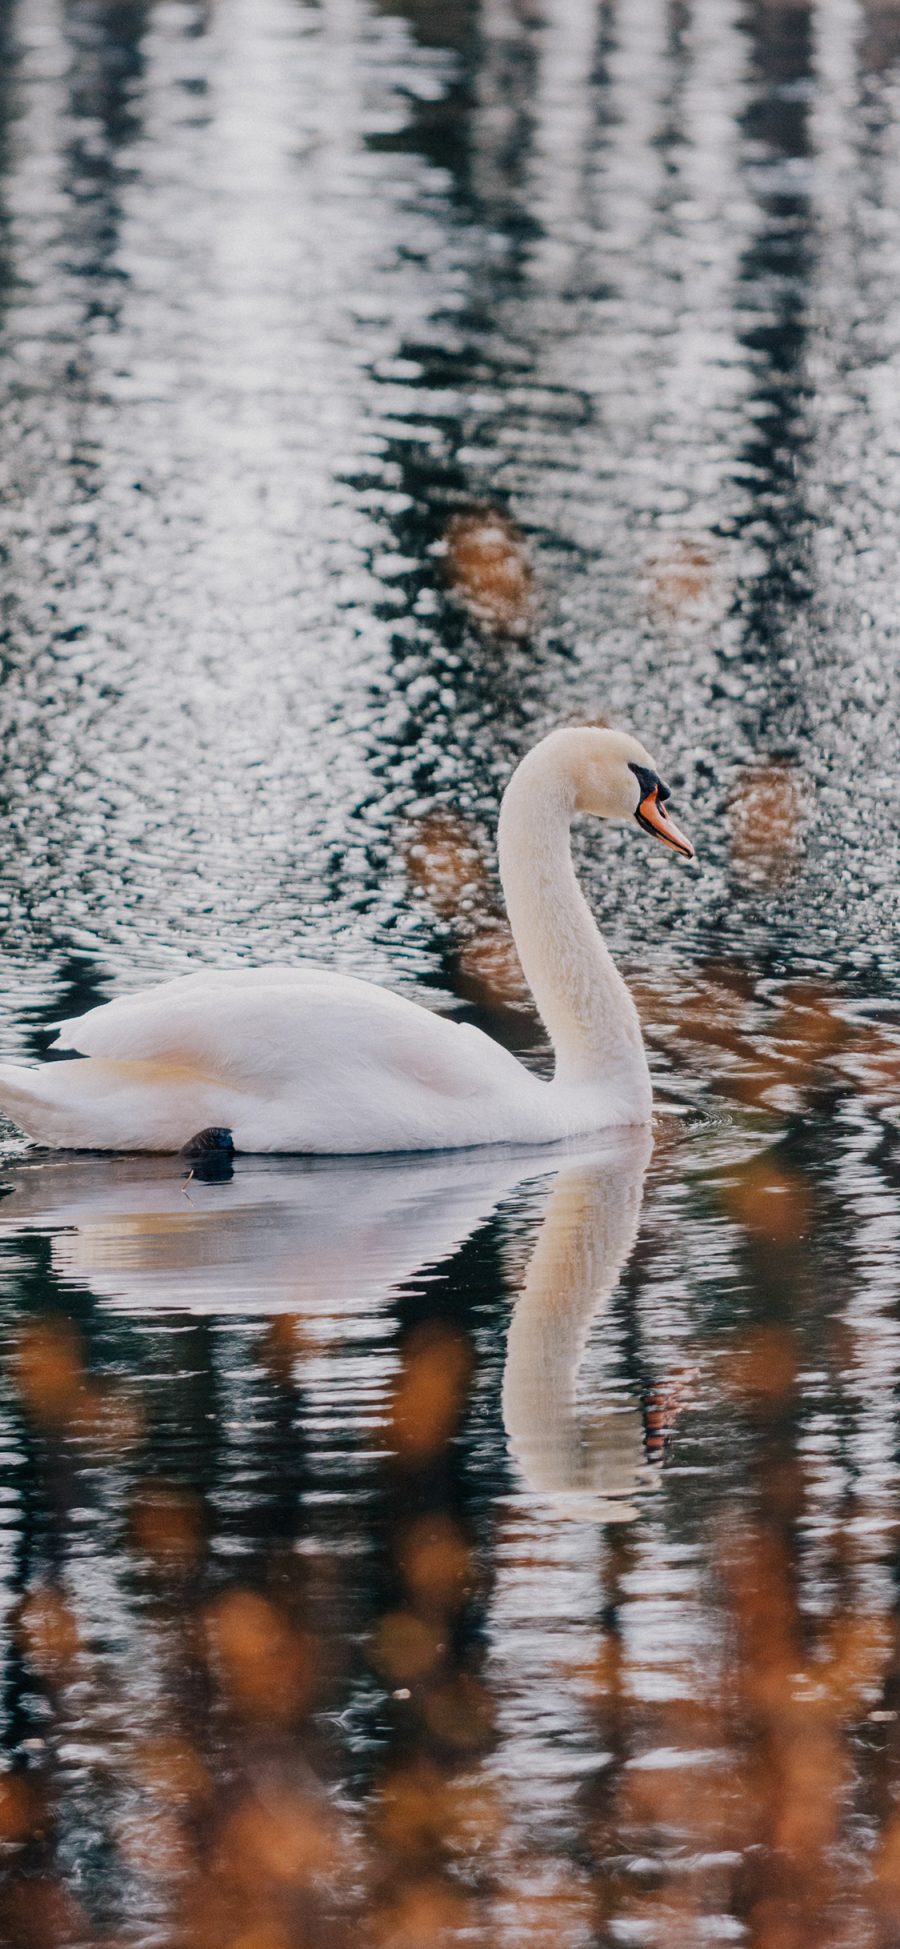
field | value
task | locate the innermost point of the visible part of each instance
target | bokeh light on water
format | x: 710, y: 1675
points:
x: 483, y: 1550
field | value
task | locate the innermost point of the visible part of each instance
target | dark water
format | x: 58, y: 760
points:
x: 498, y: 1550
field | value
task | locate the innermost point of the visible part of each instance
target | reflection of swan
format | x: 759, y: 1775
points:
x: 280, y: 1237
x: 589, y: 1465
x: 340, y: 1238
x: 297, y: 1059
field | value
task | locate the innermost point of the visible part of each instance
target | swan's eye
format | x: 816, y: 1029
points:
x: 646, y: 779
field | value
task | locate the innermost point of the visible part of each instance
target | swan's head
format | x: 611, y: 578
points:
x: 615, y: 778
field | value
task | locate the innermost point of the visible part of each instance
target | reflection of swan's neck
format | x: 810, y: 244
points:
x: 584, y: 1241
x: 582, y: 999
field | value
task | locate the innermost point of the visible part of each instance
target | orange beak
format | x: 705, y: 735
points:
x: 652, y: 815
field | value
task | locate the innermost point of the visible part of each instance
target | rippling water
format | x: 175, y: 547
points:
x: 499, y: 1549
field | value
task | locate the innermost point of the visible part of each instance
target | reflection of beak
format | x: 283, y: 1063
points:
x: 652, y: 815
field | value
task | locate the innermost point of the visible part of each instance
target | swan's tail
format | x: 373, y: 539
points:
x: 96, y: 1104
x: 27, y: 1101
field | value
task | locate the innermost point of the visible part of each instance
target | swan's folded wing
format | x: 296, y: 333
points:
x: 193, y: 1024
x: 280, y: 1030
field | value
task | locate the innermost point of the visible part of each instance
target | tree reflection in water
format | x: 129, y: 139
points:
x: 294, y: 1649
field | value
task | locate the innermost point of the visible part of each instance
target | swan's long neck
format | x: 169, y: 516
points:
x: 583, y: 1001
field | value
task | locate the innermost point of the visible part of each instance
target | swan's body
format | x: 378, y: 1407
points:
x: 298, y: 1059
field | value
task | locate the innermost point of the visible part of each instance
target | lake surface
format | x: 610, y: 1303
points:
x: 501, y: 1549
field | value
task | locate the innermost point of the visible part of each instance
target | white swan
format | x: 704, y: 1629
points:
x: 298, y: 1059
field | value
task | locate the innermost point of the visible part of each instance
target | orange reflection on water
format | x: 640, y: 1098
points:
x: 265, y: 1668
x: 768, y: 811
x: 489, y: 571
x: 435, y: 1562
x: 685, y: 581
x: 681, y: 574
x: 284, y: 1839
x: 48, y: 1372
x: 490, y: 972
x: 419, y: 1810
x: 23, y: 1808
x: 43, y: 1915
x: 167, y: 1526
x: 777, y: 1050
x: 408, y: 1647
x: 47, y: 1367
x: 47, y: 1631
x: 171, y: 1768
x: 429, y: 1392
x: 282, y: 1345
x: 458, y: 1712
x: 769, y: 1201
x: 427, y: 1913
x: 446, y: 862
